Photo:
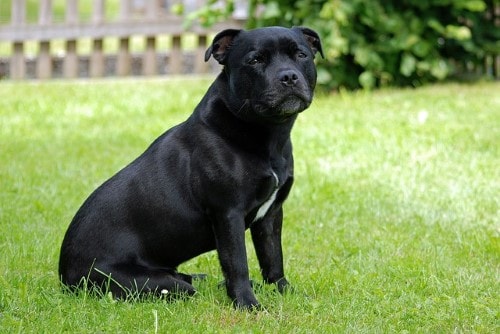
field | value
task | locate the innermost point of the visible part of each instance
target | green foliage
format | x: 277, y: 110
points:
x: 389, y: 42
x: 207, y: 15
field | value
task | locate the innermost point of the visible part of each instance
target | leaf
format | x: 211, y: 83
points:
x: 423, y: 66
x: 434, y: 24
x: 272, y: 10
x: 324, y: 76
x: 439, y: 69
x: 473, y: 5
x: 177, y: 9
x: 362, y: 55
x: 411, y: 40
x: 367, y: 80
x: 408, y: 64
x: 422, y: 48
x: 368, y: 58
x: 460, y: 33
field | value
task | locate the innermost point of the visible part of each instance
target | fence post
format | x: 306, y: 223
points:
x: 97, y: 55
x: 201, y: 66
x: 175, y: 59
x: 149, y: 58
x: 18, y: 11
x: 97, y: 59
x: 123, y: 61
x: 44, y: 64
x: 71, y: 57
x: 17, y: 64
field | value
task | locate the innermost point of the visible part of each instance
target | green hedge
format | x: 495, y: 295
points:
x: 373, y: 43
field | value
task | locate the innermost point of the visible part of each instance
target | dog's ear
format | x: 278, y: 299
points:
x: 312, y: 39
x: 221, y: 44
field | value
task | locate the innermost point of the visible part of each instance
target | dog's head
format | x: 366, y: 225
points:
x: 270, y: 72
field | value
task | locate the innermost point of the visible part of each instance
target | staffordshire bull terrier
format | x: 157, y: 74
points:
x: 201, y: 184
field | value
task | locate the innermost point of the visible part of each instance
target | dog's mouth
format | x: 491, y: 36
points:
x: 286, y: 107
x: 291, y: 105
x: 275, y: 109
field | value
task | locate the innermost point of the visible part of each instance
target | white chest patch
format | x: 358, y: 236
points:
x: 267, y: 204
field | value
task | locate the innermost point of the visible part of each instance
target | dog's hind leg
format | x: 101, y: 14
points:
x: 132, y: 280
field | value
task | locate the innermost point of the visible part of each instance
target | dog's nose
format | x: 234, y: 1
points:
x: 288, y: 78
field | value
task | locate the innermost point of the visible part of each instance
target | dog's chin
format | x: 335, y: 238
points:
x: 281, y: 111
x: 291, y: 105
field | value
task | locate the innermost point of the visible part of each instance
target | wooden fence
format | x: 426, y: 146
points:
x: 148, y: 19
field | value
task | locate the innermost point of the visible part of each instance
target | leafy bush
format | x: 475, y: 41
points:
x: 389, y: 42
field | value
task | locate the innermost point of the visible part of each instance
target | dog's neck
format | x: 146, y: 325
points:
x: 258, y: 137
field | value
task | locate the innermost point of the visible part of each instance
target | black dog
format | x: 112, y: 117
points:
x: 201, y: 184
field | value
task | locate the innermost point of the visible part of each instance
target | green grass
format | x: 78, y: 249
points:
x: 392, y: 225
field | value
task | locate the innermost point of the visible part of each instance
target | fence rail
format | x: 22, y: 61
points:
x: 147, y: 18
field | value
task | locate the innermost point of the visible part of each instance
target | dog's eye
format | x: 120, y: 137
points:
x: 256, y: 60
x: 301, y: 54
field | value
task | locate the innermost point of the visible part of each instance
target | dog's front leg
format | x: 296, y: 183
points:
x: 266, y: 236
x: 230, y: 238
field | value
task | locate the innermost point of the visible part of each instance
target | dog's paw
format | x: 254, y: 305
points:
x: 283, y: 286
x: 247, y: 305
x: 243, y: 298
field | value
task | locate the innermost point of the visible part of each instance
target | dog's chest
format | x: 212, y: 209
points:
x: 264, y: 207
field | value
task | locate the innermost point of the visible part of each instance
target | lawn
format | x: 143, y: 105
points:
x: 392, y: 224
